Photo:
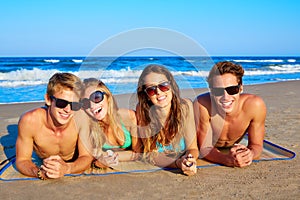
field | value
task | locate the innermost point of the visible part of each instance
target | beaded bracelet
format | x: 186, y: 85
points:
x: 40, y: 174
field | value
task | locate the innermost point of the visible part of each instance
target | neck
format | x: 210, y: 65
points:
x: 163, y: 113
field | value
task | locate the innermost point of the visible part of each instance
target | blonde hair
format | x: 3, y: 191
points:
x: 98, y: 128
x: 60, y: 81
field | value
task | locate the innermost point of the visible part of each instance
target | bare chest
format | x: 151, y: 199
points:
x: 229, y: 131
x: 62, y: 143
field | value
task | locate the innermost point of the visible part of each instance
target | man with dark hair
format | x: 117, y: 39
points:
x: 224, y: 115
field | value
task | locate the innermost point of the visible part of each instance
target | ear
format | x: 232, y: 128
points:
x: 241, y: 89
x: 47, y: 100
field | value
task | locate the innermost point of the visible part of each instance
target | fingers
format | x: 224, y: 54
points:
x: 189, y: 165
x: 243, y: 157
x: 109, y: 159
x: 53, y: 166
x: 51, y: 173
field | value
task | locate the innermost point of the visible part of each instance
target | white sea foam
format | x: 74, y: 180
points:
x: 27, y: 75
x: 77, y: 60
x: 287, y: 68
x: 52, y: 60
x: 253, y: 61
x: 22, y: 83
x: 37, y: 76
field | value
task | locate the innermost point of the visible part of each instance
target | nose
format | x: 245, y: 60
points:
x: 157, y: 90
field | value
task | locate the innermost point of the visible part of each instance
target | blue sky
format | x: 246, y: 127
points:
x: 222, y: 27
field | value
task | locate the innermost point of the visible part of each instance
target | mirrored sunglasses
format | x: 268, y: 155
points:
x: 152, y: 90
x: 95, y: 97
x: 231, y: 90
x: 61, y: 103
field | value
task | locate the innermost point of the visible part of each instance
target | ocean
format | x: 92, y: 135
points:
x: 24, y: 79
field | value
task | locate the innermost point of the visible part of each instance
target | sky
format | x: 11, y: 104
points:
x: 221, y: 27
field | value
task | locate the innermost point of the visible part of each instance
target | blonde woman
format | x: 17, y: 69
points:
x: 166, y: 121
x: 112, y: 129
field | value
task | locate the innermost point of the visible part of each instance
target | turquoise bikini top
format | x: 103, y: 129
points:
x: 169, y: 147
x: 126, y: 144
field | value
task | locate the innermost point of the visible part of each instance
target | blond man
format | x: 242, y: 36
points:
x: 53, y: 132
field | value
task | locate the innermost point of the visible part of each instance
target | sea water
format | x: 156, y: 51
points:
x: 24, y: 79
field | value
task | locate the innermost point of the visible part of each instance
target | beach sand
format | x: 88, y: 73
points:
x: 262, y: 180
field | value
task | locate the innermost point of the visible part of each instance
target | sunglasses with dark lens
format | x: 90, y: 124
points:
x: 231, y: 90
x: 164, y: 86
x: 61, y: 103
x: 95, y: 97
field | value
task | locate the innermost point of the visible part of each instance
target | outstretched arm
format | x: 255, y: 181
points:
x: 256, y: 129
x: 24, y: 146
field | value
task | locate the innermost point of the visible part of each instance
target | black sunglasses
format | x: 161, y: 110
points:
x: 164, y: 86
x: 95, y: 97
x: 231, y: 90
x: 61, y: 103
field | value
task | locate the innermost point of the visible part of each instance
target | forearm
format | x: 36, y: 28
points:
x: 80, y: 165
x: 215, y: 156
x: 194, y: 152
x: 126, y: 155
x: 256, y: 150
x: 27, y: 167
x: 162, y: 160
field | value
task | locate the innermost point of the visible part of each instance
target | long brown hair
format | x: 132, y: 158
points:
x: 150, y: 128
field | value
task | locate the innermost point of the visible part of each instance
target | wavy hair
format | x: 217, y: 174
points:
x: 99, y: 128
x: 150, y: 128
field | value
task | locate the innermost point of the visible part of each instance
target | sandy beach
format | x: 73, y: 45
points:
x: 262, y: 180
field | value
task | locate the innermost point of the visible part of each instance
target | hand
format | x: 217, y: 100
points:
x: 109, y: 159
x: 55, y: 167
x: 188, y: 164
x: 242, y: 156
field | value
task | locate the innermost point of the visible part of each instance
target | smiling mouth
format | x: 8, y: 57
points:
x: 226, y: 104
x: 65, y: 116
x: 161, y: 98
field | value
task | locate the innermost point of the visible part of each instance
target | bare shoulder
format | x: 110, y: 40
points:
x: 253, y: 105
x: 203, y: 99
x: 33, y: 116
x: 253, y: 101
x: 128, y: 116
x: 202, y: 104
x: 31, y: 121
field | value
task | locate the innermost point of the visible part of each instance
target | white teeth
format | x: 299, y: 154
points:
x: 97, y: 111
x: 64, y: 115
x: 226, y: 103
x: 161, y: 98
